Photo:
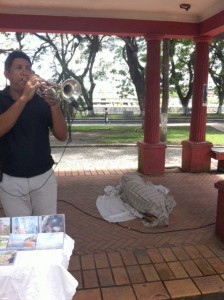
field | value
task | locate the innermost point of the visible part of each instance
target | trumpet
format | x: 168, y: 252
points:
x: 69, y: 88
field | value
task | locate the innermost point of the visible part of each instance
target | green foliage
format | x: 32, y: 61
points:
x: 215, y: 136
x: 182, y: 62
x: 77, y: 56
x: 216, y: 68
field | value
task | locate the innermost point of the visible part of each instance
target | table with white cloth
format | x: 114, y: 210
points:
x: 39, y: 275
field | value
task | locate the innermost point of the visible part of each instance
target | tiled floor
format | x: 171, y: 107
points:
x: 128, y: 261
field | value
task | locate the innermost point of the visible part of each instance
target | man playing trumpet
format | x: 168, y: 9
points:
x: 28, y: 184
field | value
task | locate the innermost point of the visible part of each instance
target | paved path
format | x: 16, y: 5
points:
x: 109, y: 158
x: 77, y: 156
x: 91, y: 158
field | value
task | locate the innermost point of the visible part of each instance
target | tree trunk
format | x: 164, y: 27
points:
x: 219, y: 111
x: 136, y: 70
x: 165, y: 90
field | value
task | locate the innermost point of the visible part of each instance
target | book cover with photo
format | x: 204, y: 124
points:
x: 4, y: 241
x: 53, y: 240
x: 25, y: 225
x: 7, y: 257
x: 52, y: 223
x: 5, y: 226
x: 22, y: 242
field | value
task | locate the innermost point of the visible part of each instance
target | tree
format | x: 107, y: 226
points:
x: 165, y: 89
x: 66, y: 48
x: 75, y: 56
x: 182, y: 55
x: 131, y: 76
x: 68, y: 52
x: 216, y: 69
x: 165, y: 75
x: 16, y: 41
x: 136, y: 70
x: 72, y: 51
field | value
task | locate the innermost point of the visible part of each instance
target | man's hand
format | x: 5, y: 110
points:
x: 32, y: 84
x: 52, y: 102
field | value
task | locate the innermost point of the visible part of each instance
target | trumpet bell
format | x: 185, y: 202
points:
x: 69, y: 88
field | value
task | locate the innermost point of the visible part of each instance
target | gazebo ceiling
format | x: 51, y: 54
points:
x: 162, y: 10
x: 102, y: 16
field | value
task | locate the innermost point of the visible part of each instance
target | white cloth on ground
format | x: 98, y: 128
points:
x: 136, y: 198
x: 113, y: 209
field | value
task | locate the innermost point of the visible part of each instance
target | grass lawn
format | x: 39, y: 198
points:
x: 131, y: 134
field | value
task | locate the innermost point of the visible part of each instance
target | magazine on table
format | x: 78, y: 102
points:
x: 7, y: 257
x: 25, y: 225
x: 34, y: 232
x: 52, y: 223
x: 4, y: 241
x: 51, y: 231
x: 50, y: 240
x: 4, y: 232
x: 5, y: 226
x: 22, y: 241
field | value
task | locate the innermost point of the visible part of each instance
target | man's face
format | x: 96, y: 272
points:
x: 18, y: 73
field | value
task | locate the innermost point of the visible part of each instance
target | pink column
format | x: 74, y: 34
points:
x: 196, y: 153
x: 151, y: 152
x: 219, y: 228
x: 152, y: 93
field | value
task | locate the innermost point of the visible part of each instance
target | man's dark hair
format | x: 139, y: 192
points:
x: 13, y: 55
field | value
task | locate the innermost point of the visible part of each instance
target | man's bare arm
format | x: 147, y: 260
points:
x: 9, y: 117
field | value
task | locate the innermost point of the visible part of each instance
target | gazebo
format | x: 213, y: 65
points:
x: 155, y: 20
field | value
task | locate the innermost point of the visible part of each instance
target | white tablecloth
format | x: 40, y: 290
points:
x: 39, y: 275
